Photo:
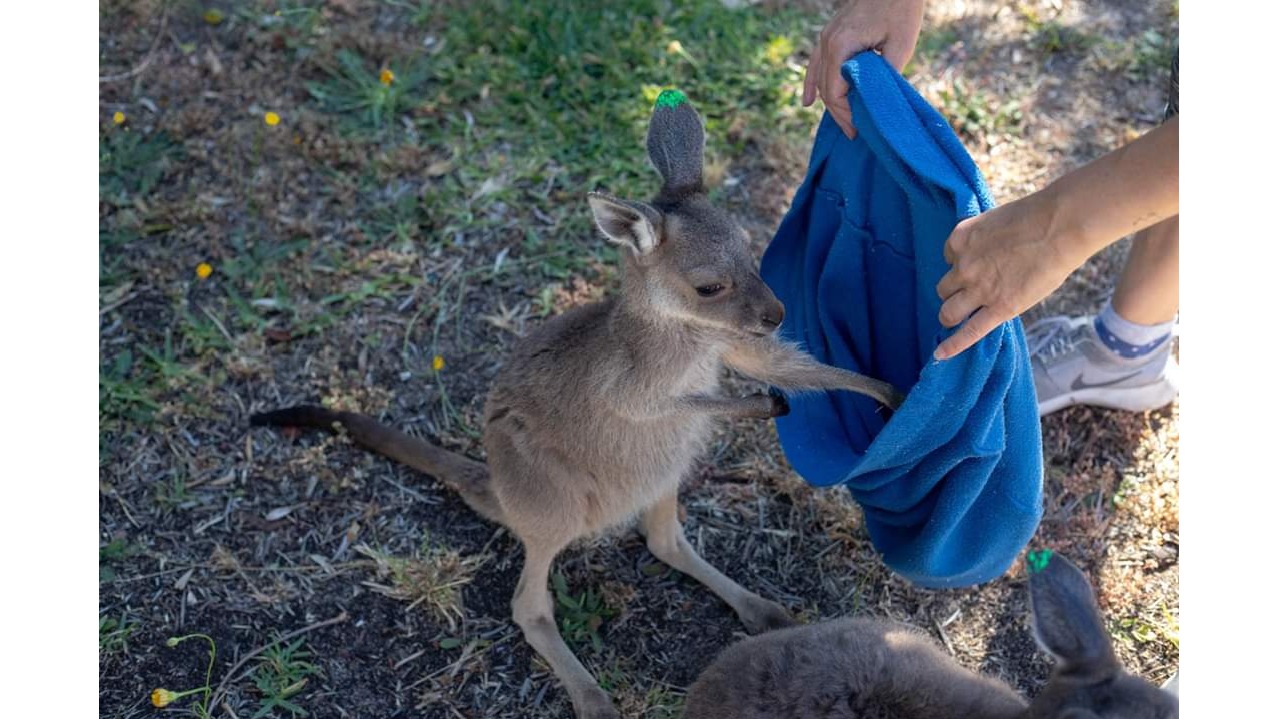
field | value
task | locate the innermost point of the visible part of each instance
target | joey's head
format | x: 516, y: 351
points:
x: 1087, y: 682
x: 686, y: 260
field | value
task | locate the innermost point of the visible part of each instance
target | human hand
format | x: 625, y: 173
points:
x: 1003, y: 262
x: 890, y: 26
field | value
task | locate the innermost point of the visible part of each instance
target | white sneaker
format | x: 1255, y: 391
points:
x: 1173, y: 685
x: 1073, y: 366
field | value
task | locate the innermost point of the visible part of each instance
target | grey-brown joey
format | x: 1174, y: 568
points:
x: 599, y: 413
x: 864, y: 668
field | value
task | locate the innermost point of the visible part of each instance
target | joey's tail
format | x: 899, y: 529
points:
x: 464, y: 475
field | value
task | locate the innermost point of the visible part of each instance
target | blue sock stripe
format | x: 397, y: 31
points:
x: 1121, y: 348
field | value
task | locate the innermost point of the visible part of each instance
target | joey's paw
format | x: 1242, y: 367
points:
x: 781, y: 407
x: 894, y: 399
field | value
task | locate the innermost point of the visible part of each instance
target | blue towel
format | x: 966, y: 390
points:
x: 951, y: 486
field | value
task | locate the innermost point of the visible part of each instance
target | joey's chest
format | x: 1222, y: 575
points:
x: 697, y: 374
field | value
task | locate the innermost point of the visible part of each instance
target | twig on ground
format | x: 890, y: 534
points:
x: 217, y: 323
x: 150, y: 57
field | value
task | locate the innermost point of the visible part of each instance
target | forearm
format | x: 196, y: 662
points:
x: 786, y: 367
x: 758, y: 405
x: 1122, y: 192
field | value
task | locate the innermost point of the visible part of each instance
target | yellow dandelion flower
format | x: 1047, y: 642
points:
x: 161, y: 698
x: 271, y: 119
x: 386, y: 77
x: 118, y: 118
x: 674, y: 47
x: 437, y: 364
x: 203, y: 270
x: 213, y: 16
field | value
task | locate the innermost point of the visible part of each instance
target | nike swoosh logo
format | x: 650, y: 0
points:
x: 1079, y: 382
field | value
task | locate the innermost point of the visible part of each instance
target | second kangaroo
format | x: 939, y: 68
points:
x: 598, y: 414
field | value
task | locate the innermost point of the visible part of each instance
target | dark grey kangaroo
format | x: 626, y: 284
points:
x: 598, y: 414
x: 876, y: 669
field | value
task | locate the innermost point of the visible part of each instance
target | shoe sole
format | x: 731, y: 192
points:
x: 1131, y: 399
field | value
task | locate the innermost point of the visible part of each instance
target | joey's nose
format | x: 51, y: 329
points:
x: 772, y: 317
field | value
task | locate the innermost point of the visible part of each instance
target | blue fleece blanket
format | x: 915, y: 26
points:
x: 951, y: 485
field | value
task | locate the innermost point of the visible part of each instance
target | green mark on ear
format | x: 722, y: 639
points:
x: 1037, y: 561
x: 670, y: 98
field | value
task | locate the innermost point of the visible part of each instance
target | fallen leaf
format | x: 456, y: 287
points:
x: 278, y: 334
x: 184, y: 579
x: 488, y: 187
x: 439, y: 168
x: 349, y: 7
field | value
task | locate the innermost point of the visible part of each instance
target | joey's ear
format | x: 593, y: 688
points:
x: 676, y: 141
x: 631, y: 224
x: 1066, y: 620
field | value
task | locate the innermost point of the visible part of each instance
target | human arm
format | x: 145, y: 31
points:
x: 1005, y: 261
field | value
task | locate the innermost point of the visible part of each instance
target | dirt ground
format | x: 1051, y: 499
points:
x: 384, y: 222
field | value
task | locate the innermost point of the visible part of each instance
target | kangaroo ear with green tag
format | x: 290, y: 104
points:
x: 676, y: 141
x: 1065, y: 617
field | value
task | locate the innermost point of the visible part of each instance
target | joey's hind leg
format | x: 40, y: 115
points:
x: 660, y: 525
x: 535, y: 613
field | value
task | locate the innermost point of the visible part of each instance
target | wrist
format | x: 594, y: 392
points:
x: 1068, y: 234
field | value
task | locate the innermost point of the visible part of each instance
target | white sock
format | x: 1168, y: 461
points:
x: 1129, y: 339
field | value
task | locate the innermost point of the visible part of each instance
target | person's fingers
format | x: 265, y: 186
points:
x: 977, y: 327
x: 959, y: 306
x: 950, y: 284
x: 833, y: 87
x: 843, y: 116
x: 813, y: 72
x: 957, y: 240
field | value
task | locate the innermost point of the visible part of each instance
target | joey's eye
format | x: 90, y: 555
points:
x: 710, y: 290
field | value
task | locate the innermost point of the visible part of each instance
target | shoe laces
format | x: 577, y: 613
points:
x: 1054, y: 336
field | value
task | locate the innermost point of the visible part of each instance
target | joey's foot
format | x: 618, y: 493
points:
x: 598, y: 710
x: 594, y: 703
x: 761, y: 616
x: 781, y: 407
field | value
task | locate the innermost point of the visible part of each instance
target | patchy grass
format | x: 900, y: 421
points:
x: 433, y: 580
x: 1051, y: 36
x: 131, y: 163
x: 280, y: 676
x: 580, y: 615
x: 379, y: 226
x: 555, y: 97
x: 976, y: 115
x: 370, y: 97
x: 124, y: 395
x: 932, y: 41
x: 1149, y: 54
x: 113, y: 634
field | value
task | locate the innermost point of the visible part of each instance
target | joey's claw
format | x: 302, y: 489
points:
x: 781, y: 407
